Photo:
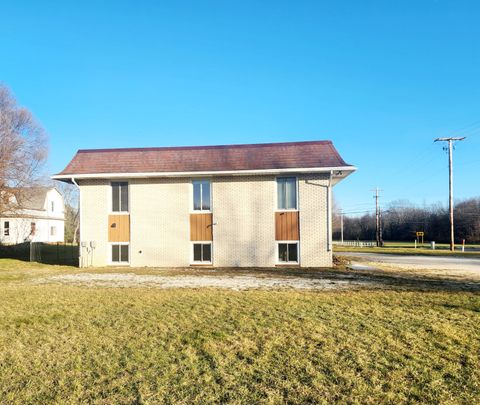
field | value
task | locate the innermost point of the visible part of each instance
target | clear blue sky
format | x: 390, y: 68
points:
x: 379, y: 78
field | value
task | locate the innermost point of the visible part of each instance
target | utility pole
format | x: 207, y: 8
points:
x: 378, y: 235
x: 341, y: 226
x: 450, y: 184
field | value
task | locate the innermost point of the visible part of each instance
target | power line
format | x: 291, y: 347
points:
x: 359, y: 212
x: 354, y: 206
x: 474, y: 126
x: 471, y: 162
x: 412, y: 184
x: 473, y: 133
x: 412, y: 164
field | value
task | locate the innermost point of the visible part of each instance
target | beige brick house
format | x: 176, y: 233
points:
x: 260, y: 205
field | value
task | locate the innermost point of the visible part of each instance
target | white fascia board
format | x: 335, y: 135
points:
x: 346, y: 170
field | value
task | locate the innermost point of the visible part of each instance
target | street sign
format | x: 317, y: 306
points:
x: 420, y: 235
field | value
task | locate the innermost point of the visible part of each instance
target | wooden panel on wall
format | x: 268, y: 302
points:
x: 286, y: 225
x: 201, y: 227
x: 119, y: 228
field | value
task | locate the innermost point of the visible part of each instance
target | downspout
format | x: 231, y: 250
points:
x: 329, y: 212
x: 80, y: 256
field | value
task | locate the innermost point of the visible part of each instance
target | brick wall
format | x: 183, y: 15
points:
x: 312, y: 190
x: 94, y: 222
x: 160, y: 211
x: 243, y: 213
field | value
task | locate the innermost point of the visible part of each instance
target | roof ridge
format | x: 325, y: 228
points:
x: 240, y: 146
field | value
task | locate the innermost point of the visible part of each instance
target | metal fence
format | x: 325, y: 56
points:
x: 48, y: 253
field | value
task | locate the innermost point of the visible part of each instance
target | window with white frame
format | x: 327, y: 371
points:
x: 287, y: 193
x: 53, y: 230
x: 288, y: 252
x: 202, y: 252
x: 119, y: 196
x: 201, y: 195
x: 120, y: 253
x: 6, y: 228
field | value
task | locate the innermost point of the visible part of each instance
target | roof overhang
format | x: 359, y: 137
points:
x: 338, y: 173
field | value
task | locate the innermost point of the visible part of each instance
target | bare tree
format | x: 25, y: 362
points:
x: 72, y: 212
x: 336, y: 214
x: 23, y: 151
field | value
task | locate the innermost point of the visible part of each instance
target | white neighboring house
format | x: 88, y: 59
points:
x: 40, y: 218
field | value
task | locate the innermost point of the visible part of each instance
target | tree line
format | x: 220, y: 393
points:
x: 400, y: 223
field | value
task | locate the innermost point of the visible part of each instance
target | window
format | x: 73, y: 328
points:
x: 288, y: 252
x: 53, y: 231
x: 120, y: 253
x: 52, y: 206
x: 201, y: 195
x: 33, y: 228
x: 6, y: 228
x: 287, y: 193
x: 119, y: 196
x: 202, y: 252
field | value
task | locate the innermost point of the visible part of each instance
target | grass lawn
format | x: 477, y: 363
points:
x: 405, y: 250
x: 61, y: 343
x: 441, y: 246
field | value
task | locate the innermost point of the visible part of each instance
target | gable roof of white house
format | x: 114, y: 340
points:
x: 32, y: 198
x: 25, y: 201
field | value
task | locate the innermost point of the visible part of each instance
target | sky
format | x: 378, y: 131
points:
x: 381, y: 79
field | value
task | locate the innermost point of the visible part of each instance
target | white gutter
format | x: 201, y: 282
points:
x: 341, y: 169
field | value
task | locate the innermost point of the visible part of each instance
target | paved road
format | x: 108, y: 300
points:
x: 425, y: 262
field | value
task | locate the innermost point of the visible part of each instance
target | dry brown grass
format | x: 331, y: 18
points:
x: 68, y: 344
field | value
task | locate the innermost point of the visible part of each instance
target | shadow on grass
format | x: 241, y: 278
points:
x: 374, y: 279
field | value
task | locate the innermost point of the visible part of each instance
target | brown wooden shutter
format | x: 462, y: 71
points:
x: 287, y: 225
x: 119, y: 228
x: 201, y: 227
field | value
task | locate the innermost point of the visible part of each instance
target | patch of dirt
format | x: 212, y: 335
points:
x: 340, y: 261
x: 124, y: 280
x: 358, y: 275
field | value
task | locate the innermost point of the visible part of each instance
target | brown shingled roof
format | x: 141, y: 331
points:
x: 289, y: 155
